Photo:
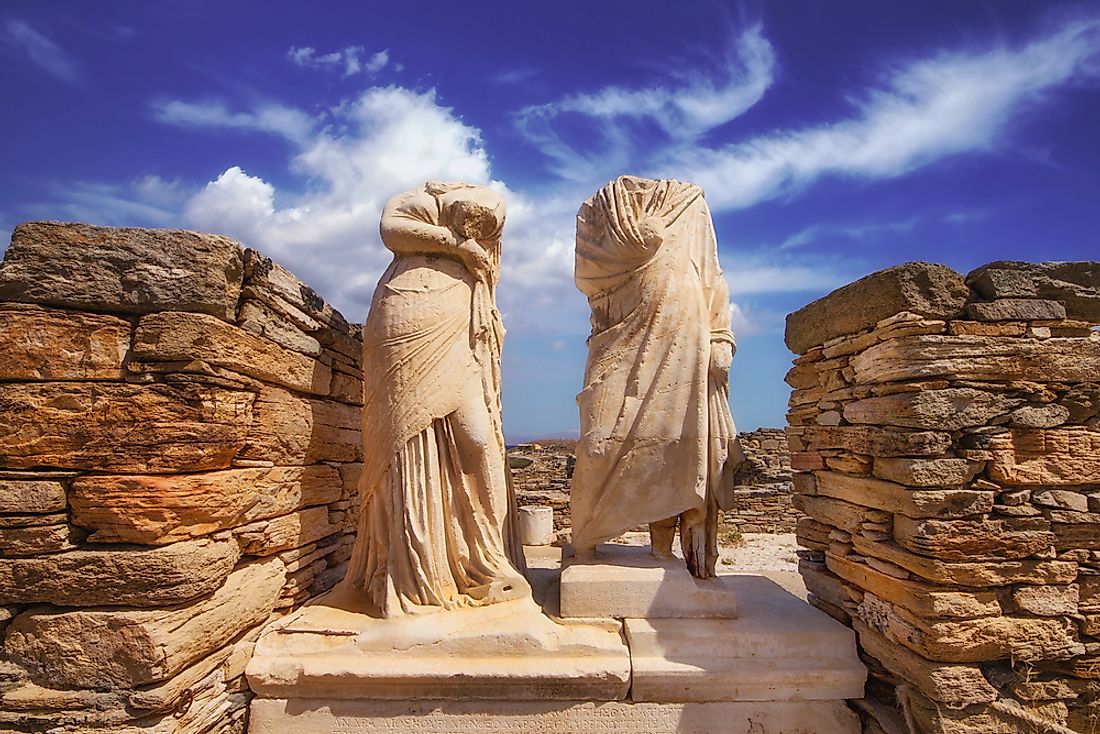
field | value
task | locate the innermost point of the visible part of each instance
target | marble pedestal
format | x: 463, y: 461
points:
x: 780, y: 667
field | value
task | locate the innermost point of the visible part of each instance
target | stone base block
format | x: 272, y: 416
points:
x: 306, y: 716
x: 502, y: 652
x: 627, y: 581
x: 779, y: 648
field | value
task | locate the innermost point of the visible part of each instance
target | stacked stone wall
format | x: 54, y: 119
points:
x: 179, y: 454
x: 764, y: 492
x: 946, y: 438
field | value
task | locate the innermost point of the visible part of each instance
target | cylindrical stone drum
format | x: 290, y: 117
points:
x: 536, y: 525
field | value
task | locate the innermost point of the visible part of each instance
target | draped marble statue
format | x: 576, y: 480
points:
x: 658, y: 444
x: 437, y: 516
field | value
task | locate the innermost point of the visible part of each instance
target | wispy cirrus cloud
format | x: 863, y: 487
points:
x: 21, y: 39
x: 350, y: 60
x: 682, y: 108
x: 267, y: 117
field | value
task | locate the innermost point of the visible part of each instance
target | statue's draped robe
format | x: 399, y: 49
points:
x: 657, y: 436
x: 437, y: 521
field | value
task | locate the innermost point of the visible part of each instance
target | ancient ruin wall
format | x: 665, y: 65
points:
x: 946, y: 438
x: 179, y: 451
x: 764, y: 492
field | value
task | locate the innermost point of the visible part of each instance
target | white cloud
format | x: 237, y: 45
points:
x: 945, y: 105
x: 268, y: 117
x: 683, y: 112
x: 817, y: 232
x: 20, y: 38
x: 348, y: 60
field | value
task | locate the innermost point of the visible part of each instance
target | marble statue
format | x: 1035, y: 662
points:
x: 658, y: 444
x: 437, y: 517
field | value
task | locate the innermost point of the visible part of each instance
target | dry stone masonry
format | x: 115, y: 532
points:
x: 763, y: 493
x: 945, y: 432
x: 179, y: 454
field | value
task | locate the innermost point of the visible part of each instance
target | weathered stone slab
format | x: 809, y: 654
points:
x: 106, y: 648
x: 169, y: 574
x: 1016, y: 309
x: 1075, y: 284
x: 974, y: 540
x: 127, y: 270
x: 922, y: 288
x: 922, y: 599
x: 956, y: 686
x: 979, y: 358
x: 165, y: 509
x: 288, y: 429
x: 173, y: 336
x: 944, y: 410
x: 870, y: 441
x: 281, y: 289
x: 1051, y: 415
x: 310, y: 716
x: 121, y: 427
x: 31, y: 495
x: 33, y: 540
x: 927, y: 472
x: 46, y: 344
x: 896, y: 498
x: 1048, y: 601
x: 296, y: 529
x: 1052, y: 457
x: 258, y: 318
x: 978, y: 575
x: 839, y: 514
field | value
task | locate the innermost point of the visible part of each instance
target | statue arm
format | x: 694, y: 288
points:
x: 405, y: 233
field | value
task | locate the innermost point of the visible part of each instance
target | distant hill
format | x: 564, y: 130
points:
x: 572, y: 435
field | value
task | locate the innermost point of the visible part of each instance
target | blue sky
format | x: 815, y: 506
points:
x: 832, y: 139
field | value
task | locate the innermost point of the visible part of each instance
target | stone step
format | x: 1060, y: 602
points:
x: 741, y: 638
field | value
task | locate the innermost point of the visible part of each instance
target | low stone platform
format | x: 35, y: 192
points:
x: 503, y: 652
x: 781, y: 667
x: 306, y: 716
x: 628, y: 581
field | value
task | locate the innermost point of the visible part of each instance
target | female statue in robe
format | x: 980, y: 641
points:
x: 437, y: 511
x: 658, y: 444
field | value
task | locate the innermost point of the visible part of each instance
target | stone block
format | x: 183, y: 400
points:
x: 1016, y: 309
x: 113, y: 427
x: 175, y: 336
x: 779, y: 648
x: 1047, y: 601
x: 995, y: 358
x: 169, y: 574
x: 284, y: 532
x: 108, y: 648
x: 980, y: 575
x: 164, y: 509
x: 47, y: 344
x: 975, y: 540
x: 258, y: 318
x: 507, y: 651
x: 627, y: 581
x: 127, y: 270
x: 924, y: 289
x: 873, y: 441
x: 288, y: 429
x: 31, y: 495
x: 280, y: 289
x: 1075, y: 284
x: 944, y: 410
x: 30, y: 541
x: 310, y: 716
x: 891, y: 497
x: 927, y: 472
x: 1050, y: 457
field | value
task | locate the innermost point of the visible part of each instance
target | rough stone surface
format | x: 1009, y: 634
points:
x: 90, y: 578
x: 1061, y: 456
x: 31, y: 495
x: 949, y: 409
x: 102, y: 649
x: 46, y: 344
x: 290, y: 429
x: 1075, y: 284
x: 175, y: 336
x: 921, y: 288
x: 1016, y: 309
x: 164, y: 509
x: 121, y: 427
x: 126, y: 270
